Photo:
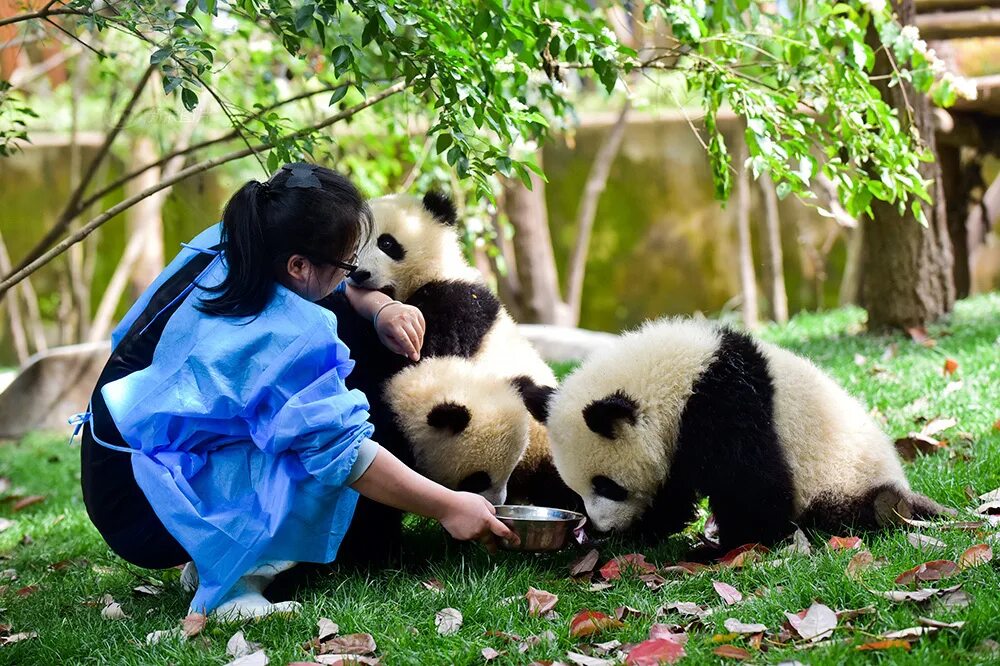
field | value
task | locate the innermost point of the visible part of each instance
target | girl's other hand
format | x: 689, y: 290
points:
x: 472, y: 517
x: 400, y: 327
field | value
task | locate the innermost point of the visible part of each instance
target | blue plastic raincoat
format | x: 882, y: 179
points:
x: 243, y: 431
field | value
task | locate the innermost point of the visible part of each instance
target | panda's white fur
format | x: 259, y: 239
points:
x: 490, y: 438
x: 835, y: 453
x: 431, y: 252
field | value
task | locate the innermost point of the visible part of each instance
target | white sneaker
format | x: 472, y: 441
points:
x: 189, y: 578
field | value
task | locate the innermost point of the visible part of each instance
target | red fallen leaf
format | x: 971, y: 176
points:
x: 731, y: 652
x: 844, y: 543
x: 589, y: 622
x: 885, y: 645
x: 974, y: 556
x: 349, y: 644
x: 625, y: 612
x: 540, y: 602
x: 25, y: 502
x: 737, y: 557
x: 729, y: 594
x: 26, y: 590
x: 654, y: 652
x: 613, y: 569
x: 934, y: 570
x: 585, y: 564
x: 193, y: 624
x: 670, y: 632
x: 950, y: 366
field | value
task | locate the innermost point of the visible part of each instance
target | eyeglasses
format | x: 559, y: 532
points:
x: 350, y: 267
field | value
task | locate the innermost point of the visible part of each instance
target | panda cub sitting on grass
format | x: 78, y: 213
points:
x: 683, y: 409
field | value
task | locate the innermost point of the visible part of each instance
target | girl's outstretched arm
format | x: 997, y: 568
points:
x: 400, y: 327
x: 465, y: 516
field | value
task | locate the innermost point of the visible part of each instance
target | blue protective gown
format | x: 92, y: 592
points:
x: 243, y: 431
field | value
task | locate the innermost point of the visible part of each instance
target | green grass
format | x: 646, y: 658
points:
x: 399, y: 612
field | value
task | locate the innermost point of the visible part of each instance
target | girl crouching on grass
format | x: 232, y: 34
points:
x: 221, y: 431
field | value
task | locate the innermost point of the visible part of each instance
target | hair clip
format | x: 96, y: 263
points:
x: 302, y: 175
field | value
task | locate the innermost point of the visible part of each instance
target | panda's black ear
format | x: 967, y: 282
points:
x: 440, y: 206
x: 602, y: 416
x: 449, y: 416
x: 536, y: 398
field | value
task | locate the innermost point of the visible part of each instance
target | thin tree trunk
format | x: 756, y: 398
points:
x: 504, y: 267
x: 17, y: 332
x: 773, y: 254
x: 907, y: 268
x: 748, y: 279
x: 536, y: 263
x: 956, y: 196
x: 597, y: 180
x: 850, y: 283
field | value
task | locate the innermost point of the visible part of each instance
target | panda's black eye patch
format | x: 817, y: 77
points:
x: 391, y: 247
x: 476, y: 482
x: 605, y: 487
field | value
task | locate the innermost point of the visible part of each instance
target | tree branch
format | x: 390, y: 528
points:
x: 43, y: 14
x: 72, y: 207
x: 192, y: 170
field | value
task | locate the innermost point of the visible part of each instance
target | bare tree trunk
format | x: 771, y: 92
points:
x: 504, y: 266
x: 850, y: 284
x: 17, y: 332
x: 907, y: 268
x: 748, y: 278
x: 536, y: 263
x: 956, y: 198
x: 597, y: 180
x: 773, y: 255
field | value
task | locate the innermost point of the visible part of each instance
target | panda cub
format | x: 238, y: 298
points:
x: 416, y: 258
x: 683, y: 409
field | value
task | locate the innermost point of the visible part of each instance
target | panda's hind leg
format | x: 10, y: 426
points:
x: 883, y: 506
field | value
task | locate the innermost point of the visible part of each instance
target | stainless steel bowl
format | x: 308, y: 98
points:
x: 540, y: 528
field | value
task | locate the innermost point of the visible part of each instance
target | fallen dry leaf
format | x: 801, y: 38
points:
x: 919, y: 335
x: 934, y: 570
x: 990, y: 508
x: 600, y: 587
x: 434, y: 585
x: 950, y: 366
x: 634, y: 562
x: 975, y: 555
x: 6, y: 523
x: 849, y: 614
x: 924, y: 542
x: 606, y: 647
x: 885, y: 645
x: 844, y: 543
x: 731, y: 652
x: 255, y: 659
x: 326, y: 628
x: 25, y: 502
x: 113, y: 611
x: 743, y: 555
x: 917, y: 595
x: 654, y: 652
x: 193, y: 624
x: 993, y: 495
x: 818, y: 622
x: 585, y: 564
x: 540, y: 602
x: 929, y: 622
x: 489, y: 654
x: 587, y: 622
x: 861, y: 561
x: 154, y: 637
x: 587, y: 660
x: 448, y: 621
x: 800, y: 544
x: 349, y: 644
x: 670, y: 632
x: 625, y: 612
x: 18, y: 637
x: 148, y: 590
x: 685, y: 608
x: 29, y: 590
x: 653, y: 581
x: 730, y: 595
x: 737, y: 627
x: 345, y: 660
x: 238, y: 646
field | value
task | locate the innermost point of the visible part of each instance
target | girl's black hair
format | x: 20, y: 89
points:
x: 303, y: 209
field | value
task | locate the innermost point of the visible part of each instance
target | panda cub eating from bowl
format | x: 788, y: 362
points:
x: 683, y: 409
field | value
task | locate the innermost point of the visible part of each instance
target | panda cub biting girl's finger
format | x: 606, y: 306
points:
x: 682, y: 409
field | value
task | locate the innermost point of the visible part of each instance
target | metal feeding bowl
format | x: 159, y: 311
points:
x: 540, y: 528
